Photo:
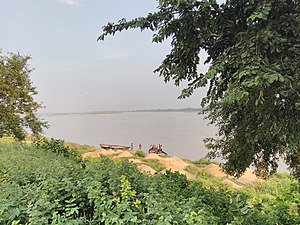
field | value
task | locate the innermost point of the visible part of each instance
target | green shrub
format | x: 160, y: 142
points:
x: 192, y: 169
x: 41, y: 186
x: 202, y: 162
x: 140, y: 154
x: 58, y: 146
x: 154, y: 164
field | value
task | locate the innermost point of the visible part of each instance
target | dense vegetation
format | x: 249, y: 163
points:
x: 48, y: 184
x: 253, y: 81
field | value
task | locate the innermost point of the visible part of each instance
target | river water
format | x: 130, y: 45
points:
x: 180, y: 133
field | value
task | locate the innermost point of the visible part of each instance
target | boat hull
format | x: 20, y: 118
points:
x: 107, y: 146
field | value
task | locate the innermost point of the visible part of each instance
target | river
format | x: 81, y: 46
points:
x: 180, y: 133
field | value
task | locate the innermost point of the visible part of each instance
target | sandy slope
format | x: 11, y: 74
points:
x: 174, y: 163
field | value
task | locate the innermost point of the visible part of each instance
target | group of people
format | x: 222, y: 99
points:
x: 153, y: 148
x: 156, y: 149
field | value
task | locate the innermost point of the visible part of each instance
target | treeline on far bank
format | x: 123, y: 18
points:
x: 48, y: 183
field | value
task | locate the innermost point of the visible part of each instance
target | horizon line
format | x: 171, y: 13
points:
x: 191, y: 109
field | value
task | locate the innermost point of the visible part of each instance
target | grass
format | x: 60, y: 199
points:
x: 208, y: 180
x: 6, y: 140
x: 202, y: 162
x: 192, y: 169
x: 140, y: 154
x: 154, y: 164
x: 81, y: 149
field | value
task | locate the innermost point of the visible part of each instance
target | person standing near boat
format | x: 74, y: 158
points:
x: 131, y: 146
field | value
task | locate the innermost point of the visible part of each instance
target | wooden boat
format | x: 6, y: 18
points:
x: 107, y: 146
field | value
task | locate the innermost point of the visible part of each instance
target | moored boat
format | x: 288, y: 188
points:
x: 107, y: 146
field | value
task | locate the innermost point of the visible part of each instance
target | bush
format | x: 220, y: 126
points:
x: 39, y: 186
x: 154, y: 164
x: 58, y: 146
x: 140, y: 154
x: 202, y: 162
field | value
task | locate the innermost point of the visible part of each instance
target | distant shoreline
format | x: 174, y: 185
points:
x: 169, y: 110
x: 197, y: 110
x: 81, y: 113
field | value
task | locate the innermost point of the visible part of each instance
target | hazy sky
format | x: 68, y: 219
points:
x: 74, y: 72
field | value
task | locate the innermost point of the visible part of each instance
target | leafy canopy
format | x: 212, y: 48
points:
x: 253, y: 50
x: 17, y: 105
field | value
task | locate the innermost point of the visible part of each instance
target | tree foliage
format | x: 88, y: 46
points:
x: 17, y: 105
x: 253, y: 50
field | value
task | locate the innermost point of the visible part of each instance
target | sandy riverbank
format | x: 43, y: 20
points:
x: 153, y: 164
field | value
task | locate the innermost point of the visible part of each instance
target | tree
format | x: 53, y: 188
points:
x: 253, y: 50
x: 17, y: 105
